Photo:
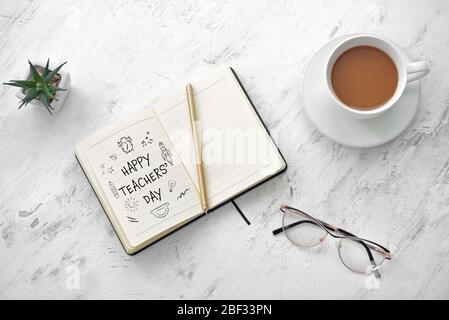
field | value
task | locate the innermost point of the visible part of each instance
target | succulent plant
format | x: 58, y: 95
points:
x: 41, y: 85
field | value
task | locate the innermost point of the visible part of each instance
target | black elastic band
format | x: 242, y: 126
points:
x: 241, y: 213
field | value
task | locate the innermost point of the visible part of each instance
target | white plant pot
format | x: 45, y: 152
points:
x: 60, y: 95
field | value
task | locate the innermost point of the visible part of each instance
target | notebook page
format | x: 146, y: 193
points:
x: 139, y: 177
x: 237, y: 151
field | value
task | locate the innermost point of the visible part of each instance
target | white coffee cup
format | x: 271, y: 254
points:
x: 407, y: 72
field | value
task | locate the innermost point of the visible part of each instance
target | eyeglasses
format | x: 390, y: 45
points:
x: 357, y: 254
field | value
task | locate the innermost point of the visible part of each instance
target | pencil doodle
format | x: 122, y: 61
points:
x: 147, y: 140
x: 126, y: 144
x: 171, y: 185
x: 131, y: 204
x: 165, y: 153
x: 132, y: 219
x: 161, y: 211
x: 113, y: 189
x: 113, y: 157
x: 182, y: 194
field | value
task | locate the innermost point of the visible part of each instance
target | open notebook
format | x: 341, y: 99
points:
x: 142, y: 167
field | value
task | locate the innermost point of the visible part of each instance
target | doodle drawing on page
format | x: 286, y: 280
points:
x: 147, y: 140
x: 131, y: 204
x: 161, y: 211
x: 165, y: 153
x: 182, y: 194
x: 171, y: 185
x: 113, y: 190
x: 126, y: 144
x: 132, y: 219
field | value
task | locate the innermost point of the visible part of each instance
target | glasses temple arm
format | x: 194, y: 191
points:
x: 294, y: 224
x: 291, y: 225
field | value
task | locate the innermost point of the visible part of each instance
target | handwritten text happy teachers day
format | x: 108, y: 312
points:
x: 137, y: 184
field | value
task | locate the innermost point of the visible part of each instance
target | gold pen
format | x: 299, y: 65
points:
x: 197, y: 146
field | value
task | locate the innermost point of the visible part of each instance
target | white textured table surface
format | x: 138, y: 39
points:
x: 124, y: 56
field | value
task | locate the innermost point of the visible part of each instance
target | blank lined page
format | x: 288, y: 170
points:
x: 237, y: 151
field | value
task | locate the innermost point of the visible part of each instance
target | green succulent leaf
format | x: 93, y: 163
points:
x: 31, y: 94
x: 50, y: 76
x: 47, y: 91
x: 23, y: 102
x: 45, y: 101
x: 46, y: 70
x: 25, y: 83
x: 13, y: 84
x: 34, y: 74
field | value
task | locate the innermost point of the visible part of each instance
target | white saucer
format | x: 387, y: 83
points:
x: 336, y: 125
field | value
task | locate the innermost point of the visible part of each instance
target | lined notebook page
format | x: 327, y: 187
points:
x: 237, y: 151
x: 141, y: 183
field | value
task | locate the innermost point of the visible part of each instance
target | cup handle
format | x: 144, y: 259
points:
x: 417, y: 70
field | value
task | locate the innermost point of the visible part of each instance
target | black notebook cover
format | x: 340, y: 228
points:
x: 226, y: 202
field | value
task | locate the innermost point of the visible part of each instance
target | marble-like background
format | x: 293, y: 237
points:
x: 125, y: 55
